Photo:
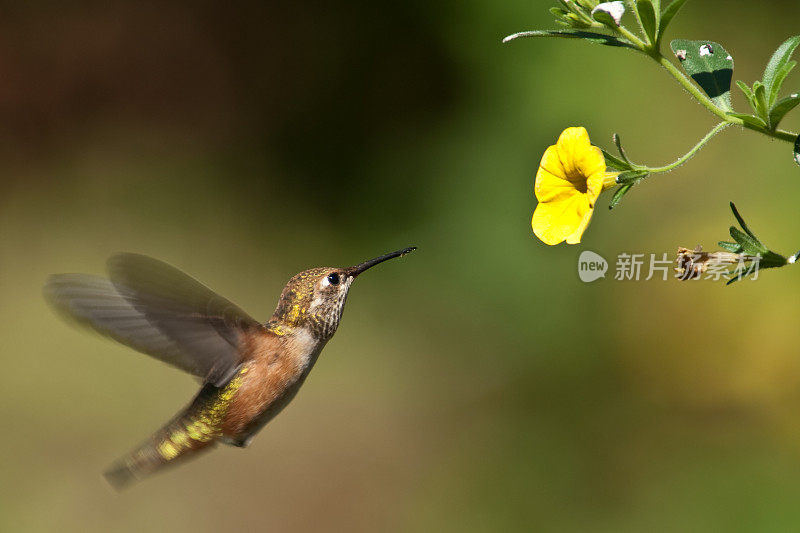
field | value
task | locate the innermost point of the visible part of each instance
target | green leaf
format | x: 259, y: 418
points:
x: 741, y: 221
x: 615, y: 162
x: 558, y: 13
x: 631, y: 176
x: 647, y: 16
x: 797, y: 150
x: 768, y: 260
x: 772, y: 260
x: 730, y: 247
x: 592, y: 37
x: 751, y: 269
x: 749, y: 245
x: 780, y: 76
x: 618, y: 144
x: 778, y: 68
x: 575, y: 9
x: 574, y: 21
x: 666, y: 16
x: 745, y: 89
x: 750, y: 119
x: 618, y: 194
x: 781, y: 108
x: 710, y: 65
x: 760, y: 100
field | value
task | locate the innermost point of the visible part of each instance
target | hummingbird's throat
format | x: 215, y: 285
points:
x: 326, y: 311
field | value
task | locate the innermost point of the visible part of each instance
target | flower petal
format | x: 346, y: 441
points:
x: 593, y: 162
x: 551, y: 162
x: 571, y: 144
x: 578, y: 157
x: 553, y: 222
x: 594, y: 186
x: 552, y: 188
x: 575, y: 238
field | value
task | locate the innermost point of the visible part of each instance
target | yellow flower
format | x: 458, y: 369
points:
x: 571, y: 176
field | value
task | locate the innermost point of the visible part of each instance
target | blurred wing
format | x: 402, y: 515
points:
x: 158, y: 310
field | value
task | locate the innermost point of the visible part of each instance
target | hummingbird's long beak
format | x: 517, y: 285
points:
x: 358, y: 269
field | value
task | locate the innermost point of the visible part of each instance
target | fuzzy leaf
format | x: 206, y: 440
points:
x: 777, y: 68
x: 592, y: 37
x: 618, y: 143
x: 575, y: 22
x: 666, y: 16
x: 575, y: 9
x: 749, y: 245
x: 615, y: 162
x: 780, y: 76
x: 745, y: 89
x: 760, y: 100
x: 750, y: 119
x: 781, y: 108
x: 618, y: 194
x: 772, y: 260
x: 741, y: 221
x: 710, y: 65
x: 730, y: 247
x: 768, y: 260
x: 647, y: 16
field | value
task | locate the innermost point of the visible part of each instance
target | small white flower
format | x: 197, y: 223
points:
x: 706, y: 50
x: 615, y: 9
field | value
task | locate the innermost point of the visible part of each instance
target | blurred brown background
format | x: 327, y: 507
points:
x: 476, y: 385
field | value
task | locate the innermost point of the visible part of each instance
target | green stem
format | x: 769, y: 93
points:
x: 632, y: 7
x: 688, y: 155
x: 706, y: 102
x: 782, y: 135
x: 641, y: 45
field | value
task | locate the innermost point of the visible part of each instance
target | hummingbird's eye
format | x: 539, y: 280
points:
x: 333, y: 278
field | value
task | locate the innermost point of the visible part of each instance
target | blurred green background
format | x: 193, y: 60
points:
x: 476, y: 385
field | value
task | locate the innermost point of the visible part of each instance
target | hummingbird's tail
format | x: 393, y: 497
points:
x: 193, y: 430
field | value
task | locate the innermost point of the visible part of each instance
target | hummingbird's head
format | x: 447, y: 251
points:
x: 315, y: 298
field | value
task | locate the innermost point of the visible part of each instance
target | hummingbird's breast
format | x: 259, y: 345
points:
x: 276, y: 367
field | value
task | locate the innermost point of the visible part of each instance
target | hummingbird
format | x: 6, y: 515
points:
x: 249, y: 370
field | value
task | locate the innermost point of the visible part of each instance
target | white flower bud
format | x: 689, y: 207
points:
x: 615, y: 9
